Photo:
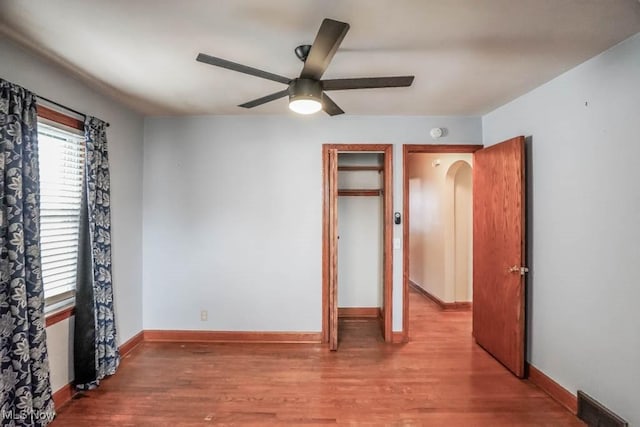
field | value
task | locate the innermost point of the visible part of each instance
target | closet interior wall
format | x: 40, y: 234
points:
x: 360, y: 227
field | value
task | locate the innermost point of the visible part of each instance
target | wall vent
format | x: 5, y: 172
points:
x: 595, y: 415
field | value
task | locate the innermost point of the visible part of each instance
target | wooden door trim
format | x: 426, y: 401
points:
x: 325, y: 249
x: 406, y: 150
x: 387, y: 170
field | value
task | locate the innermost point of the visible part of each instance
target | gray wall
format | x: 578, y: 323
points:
x: 125, y: 158
x: 584, y: 224
x: 233, y: 215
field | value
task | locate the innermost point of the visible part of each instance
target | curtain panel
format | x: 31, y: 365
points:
x: 96, y: 349
x: 24, y: 382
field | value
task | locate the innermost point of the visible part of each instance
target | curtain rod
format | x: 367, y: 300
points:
x: 65, y: 107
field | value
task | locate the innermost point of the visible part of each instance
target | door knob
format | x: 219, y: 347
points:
x: 516, y: 269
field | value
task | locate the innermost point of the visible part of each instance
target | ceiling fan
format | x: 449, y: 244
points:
x: 307, y: 92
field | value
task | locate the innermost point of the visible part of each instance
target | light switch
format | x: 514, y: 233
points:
x: 396, y: 243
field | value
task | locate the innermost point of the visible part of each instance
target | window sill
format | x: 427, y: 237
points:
x: 59, y: 316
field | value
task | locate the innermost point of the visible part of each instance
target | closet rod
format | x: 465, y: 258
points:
x: 65, y: 107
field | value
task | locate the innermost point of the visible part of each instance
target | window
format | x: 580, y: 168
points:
x: 61, y: 157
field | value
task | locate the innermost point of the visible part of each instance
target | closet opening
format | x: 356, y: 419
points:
x: 357, y: 226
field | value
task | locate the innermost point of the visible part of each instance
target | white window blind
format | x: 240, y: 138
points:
x: 61, y: 156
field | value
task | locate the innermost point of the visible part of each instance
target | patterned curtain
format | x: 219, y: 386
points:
x: 24, y: 381
x: 96, y: 303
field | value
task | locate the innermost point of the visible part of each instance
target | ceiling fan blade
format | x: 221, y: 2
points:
x: 265, y: 99
x: 367, y: 83
x: 219, y: 62
x: 330, y: 107
x: 325, y: 45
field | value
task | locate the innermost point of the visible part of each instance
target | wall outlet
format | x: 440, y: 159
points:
x: 204, y: 315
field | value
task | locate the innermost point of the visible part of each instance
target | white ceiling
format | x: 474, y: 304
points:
x: 468, y: 56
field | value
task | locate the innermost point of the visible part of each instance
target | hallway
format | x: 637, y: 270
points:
x: 440, y: 378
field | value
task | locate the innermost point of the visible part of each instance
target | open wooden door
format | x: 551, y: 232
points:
x: 499, y: 252
x: 333, y: 247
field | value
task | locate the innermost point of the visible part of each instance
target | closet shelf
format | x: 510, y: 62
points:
x: 360, y: 192
x: 360, y: 168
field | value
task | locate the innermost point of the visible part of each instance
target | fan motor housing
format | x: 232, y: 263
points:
x: 305, y: 89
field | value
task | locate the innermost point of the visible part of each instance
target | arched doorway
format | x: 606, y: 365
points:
x: 459, y: 232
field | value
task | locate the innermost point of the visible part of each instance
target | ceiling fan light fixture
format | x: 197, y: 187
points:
x: 305, y: 105
x: 305, y: 96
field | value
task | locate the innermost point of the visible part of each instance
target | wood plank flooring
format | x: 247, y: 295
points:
x: 440, y: 378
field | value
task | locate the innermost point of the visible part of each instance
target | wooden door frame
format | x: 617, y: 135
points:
x: 387, y: 188
x: 406, y: 150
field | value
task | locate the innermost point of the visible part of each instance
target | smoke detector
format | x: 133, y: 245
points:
x: 437, y: 132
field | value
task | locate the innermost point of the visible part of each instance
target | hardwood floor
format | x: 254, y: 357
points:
x: 440, y: 378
